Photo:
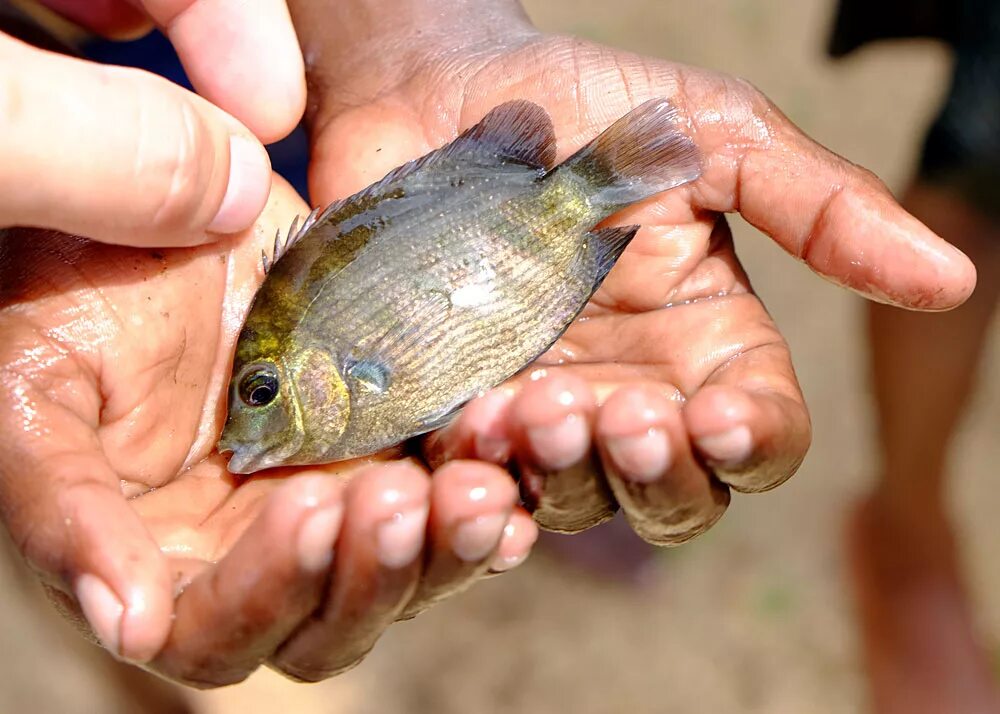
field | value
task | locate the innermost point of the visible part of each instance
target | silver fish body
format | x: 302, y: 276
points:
x: 393, y: 308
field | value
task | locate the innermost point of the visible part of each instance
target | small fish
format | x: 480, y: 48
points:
x: 385, y: 313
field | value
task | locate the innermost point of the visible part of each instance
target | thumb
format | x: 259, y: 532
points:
x: 120, y: 155
x: 98, y: 559
x: 62, y: 502
x: 76, y: 530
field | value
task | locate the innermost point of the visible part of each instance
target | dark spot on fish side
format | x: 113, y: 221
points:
x: 157, y: 255
x: 371, y: 374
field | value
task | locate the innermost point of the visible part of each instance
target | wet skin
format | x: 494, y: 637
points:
x: 115, y: 363
x: 675, y: 386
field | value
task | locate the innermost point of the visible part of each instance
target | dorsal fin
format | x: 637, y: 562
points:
x: 516, y: 137
x: 294, y: 233
x: 518, y: 131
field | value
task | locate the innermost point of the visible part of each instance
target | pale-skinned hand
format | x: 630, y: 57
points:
x: 124, y: 156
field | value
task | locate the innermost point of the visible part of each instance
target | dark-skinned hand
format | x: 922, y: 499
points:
x: 674, y: 386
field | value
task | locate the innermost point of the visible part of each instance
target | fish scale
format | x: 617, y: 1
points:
x: 452, y: 339
x: 394, y: 307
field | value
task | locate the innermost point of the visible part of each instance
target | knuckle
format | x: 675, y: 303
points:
x: 744, y: 91
x: 12, y: 118
x: 204, y: 676
x: 404, y: 476
x: 764, y: 475
x: 174, y: 168
x: 868, y: 181
x: 11, y: 98
x: 331, y: 665
x: 683, y: 522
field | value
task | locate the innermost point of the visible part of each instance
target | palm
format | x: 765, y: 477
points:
x: 145, y: 338
x: 117, y: 363
x: 677, y: 311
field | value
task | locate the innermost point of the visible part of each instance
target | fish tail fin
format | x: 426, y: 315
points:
x: 640, y: 155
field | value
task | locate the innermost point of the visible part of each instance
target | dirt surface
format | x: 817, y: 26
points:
x: 752, y: 617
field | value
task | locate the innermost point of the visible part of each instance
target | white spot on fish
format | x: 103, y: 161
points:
x: 471, y: 295
x: 479, y: 290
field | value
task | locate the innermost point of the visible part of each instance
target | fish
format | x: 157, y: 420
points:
x: 384, y: 313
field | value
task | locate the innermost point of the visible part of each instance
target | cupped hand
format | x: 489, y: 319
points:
x: 674, y: 386
x: 123, y: 156
x: 114, y: 367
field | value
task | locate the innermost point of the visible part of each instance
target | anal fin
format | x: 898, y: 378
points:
x: 606, y: 245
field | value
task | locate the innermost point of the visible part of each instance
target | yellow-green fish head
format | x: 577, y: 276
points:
x: 269, y: 398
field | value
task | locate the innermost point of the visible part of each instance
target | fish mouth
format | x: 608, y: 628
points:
x: 248, y: 458
x: 242, y: 462
x: 244, y: 458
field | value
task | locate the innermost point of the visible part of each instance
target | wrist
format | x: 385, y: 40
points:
x: 347, y: 43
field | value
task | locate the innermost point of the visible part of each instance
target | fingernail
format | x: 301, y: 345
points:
x: 476, y: 538
x: 494, y: 449
x: 561, y: 445
x: 103, y: 610
x: 249, y: 185
x: 732, y: 446
x: 502, y: 564
x: 490, y: 413
x: 642, y: 458
x: 399, y: 540
x: 316, y: 538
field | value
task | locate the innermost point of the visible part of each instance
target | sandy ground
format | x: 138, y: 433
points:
x: 753, y: 616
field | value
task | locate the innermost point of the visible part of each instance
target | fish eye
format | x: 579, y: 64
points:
x: 259, y: 387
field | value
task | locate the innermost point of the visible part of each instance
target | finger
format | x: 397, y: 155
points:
x: 376, y: 568
x: 832, y: 214
x: 471, y: 504
x: 551, y: 420
x: 519, y: 537
x: 666, y: 494
x: 481, y: 431
x: 120, y: 155
x: 62, y: 501
x: 234, y: 615
x: 64, y: 510
x: 242, y: 56
x: 749, y: 422
x: 118, y: 19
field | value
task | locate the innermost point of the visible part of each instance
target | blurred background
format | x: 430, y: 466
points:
x: 755, y: 616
